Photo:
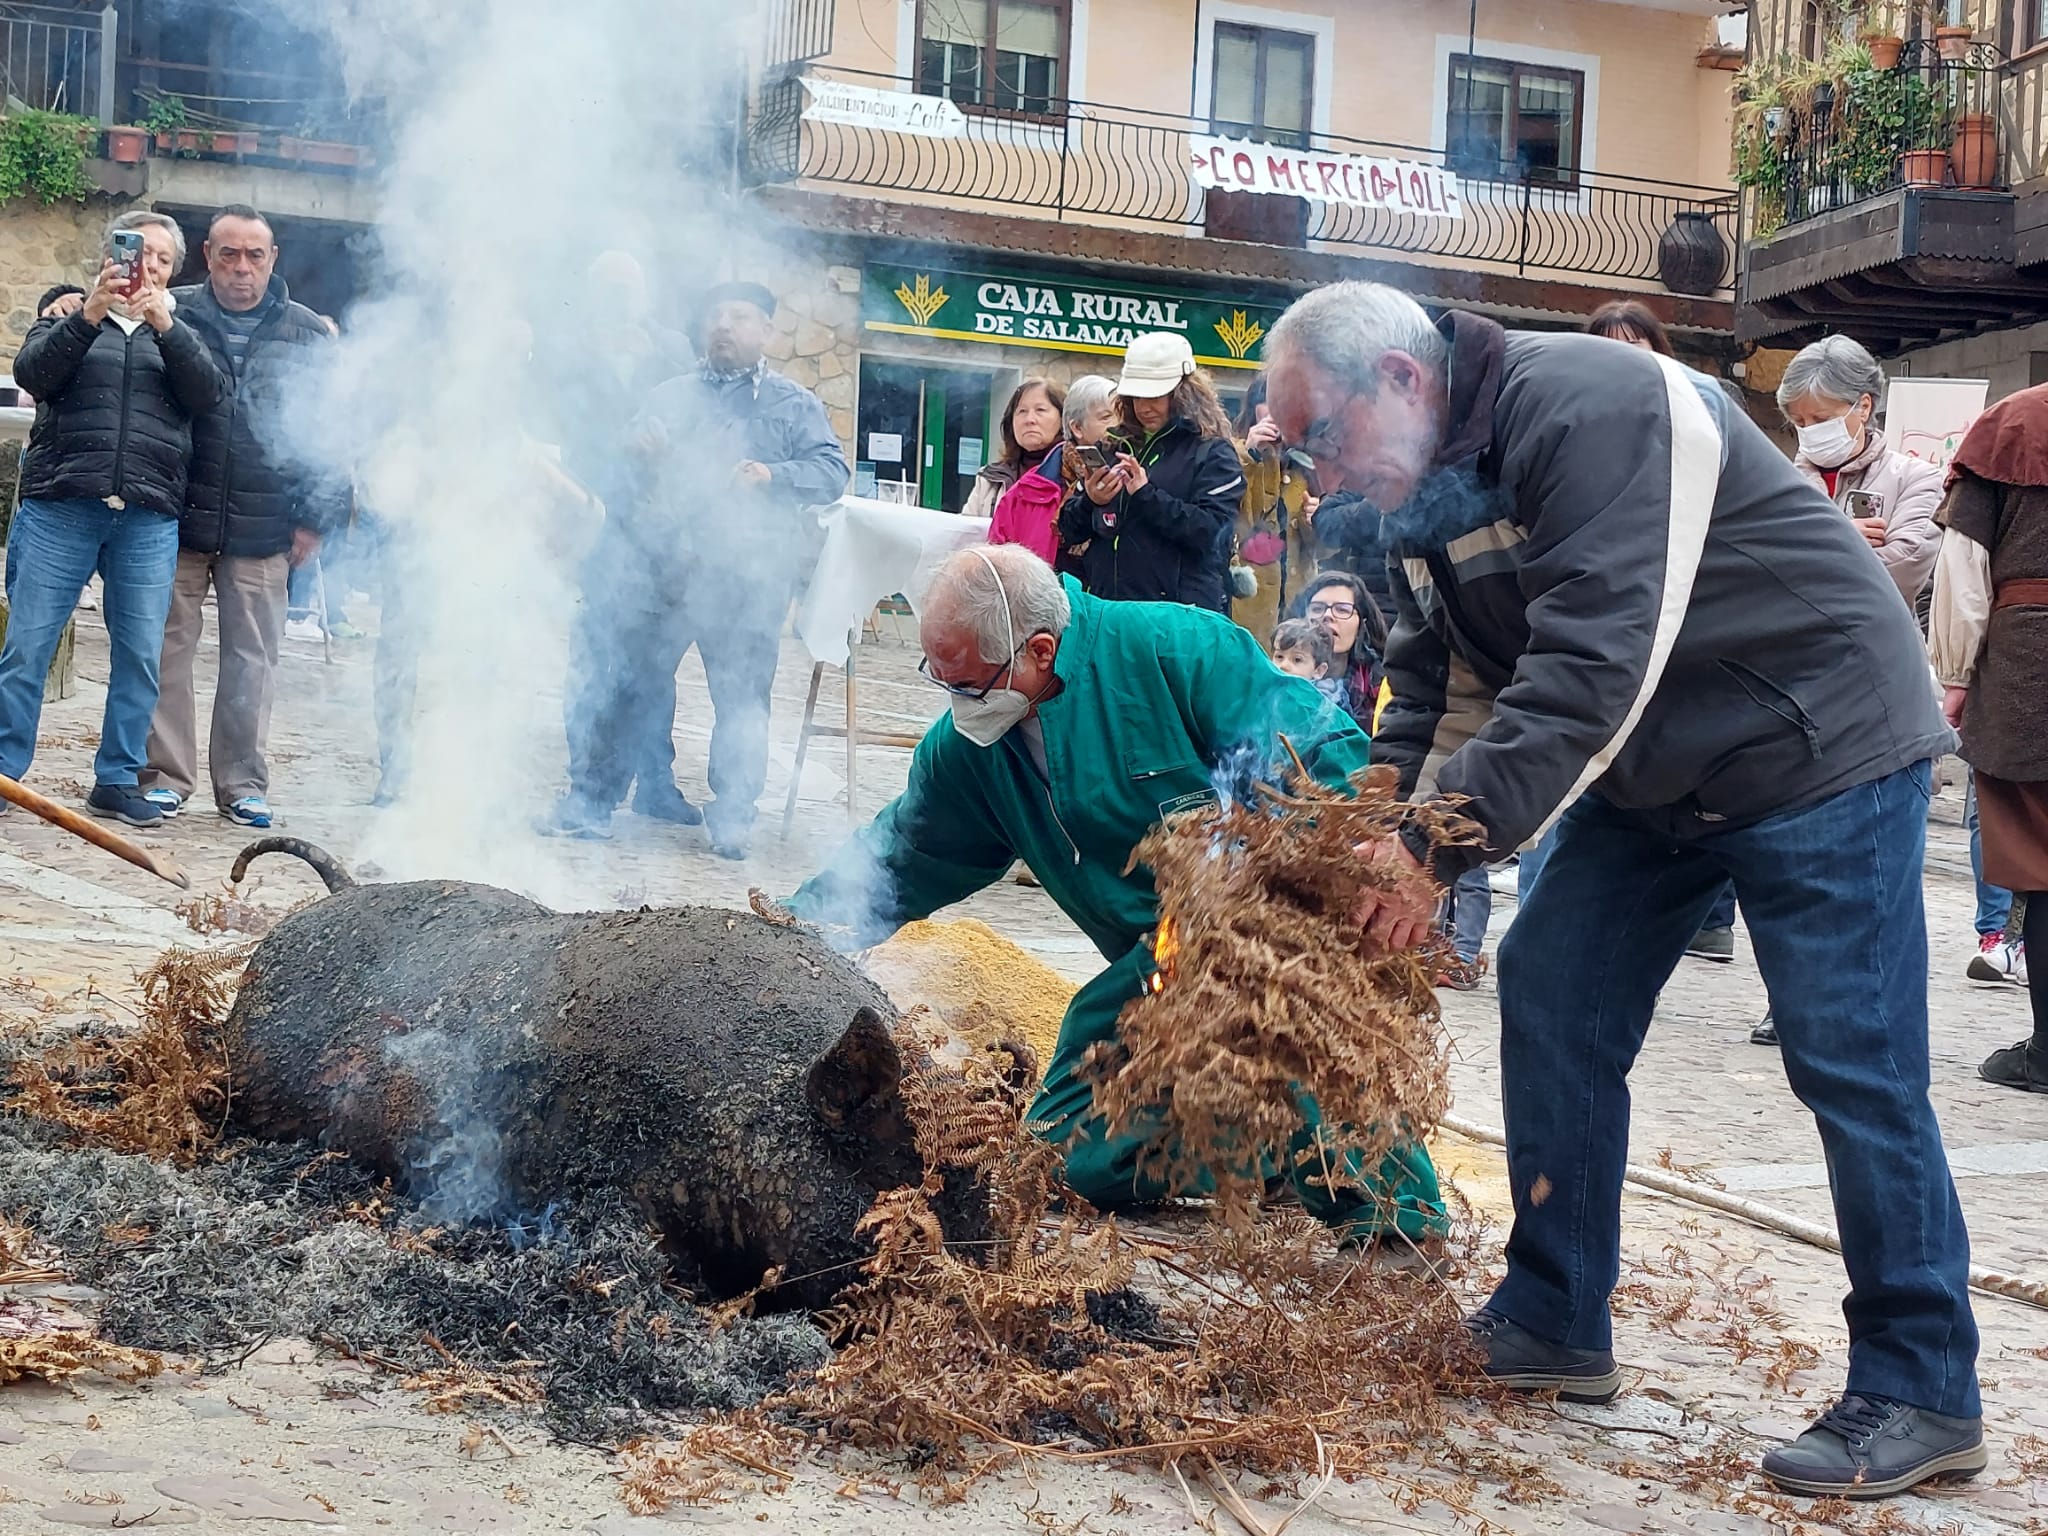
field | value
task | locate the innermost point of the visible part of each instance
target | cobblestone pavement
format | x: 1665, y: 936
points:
x: 287, y: 1439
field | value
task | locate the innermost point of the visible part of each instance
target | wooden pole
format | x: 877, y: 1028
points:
x: 85, y: 827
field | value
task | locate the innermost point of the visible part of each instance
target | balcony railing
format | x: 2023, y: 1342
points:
x: 58, y: 60
x: 1929, y: 122
x: 1086, y: 162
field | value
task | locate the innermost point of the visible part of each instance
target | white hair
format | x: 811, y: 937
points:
x: 1346, y: 328
x: 148, y: 218
x: 1835, y: 368
x: 976, y: 586
x: 1086, y: 395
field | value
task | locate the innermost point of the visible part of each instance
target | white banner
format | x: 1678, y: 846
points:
x: 1926, y: 418
x: 1361, y: 181
x: 866, y: 106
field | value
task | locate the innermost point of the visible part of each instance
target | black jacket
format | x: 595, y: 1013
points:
x: 113, y: 410
x: 1660, y: 608
x: 1169, y: 542
x: 1349, y: 535
x: 246, y: 494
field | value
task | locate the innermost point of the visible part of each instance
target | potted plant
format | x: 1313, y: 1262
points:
x: 319, y: 151
x: 1763, y: 127
x: 127, y: 145
x: 166, y: 120
x: 1953, y: 34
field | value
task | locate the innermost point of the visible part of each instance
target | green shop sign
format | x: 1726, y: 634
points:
x: 1009, y: 310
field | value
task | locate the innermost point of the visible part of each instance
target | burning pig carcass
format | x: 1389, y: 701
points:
x: 734, y: 1077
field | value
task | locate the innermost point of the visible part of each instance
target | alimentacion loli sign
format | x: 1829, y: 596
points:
x: 1009, y: 309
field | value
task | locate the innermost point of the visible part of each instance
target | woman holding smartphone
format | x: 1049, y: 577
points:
x: 1157, y: 516
x: 117, y: 380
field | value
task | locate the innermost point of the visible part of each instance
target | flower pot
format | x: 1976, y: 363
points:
x: 319, y: 152
x: 1924, y: 167
x: 186, y: 141
x: 1974, y: 154
x: 1691, y: 254
x: 1884, y: 51
x: 127, y: 146
x: 230, y: 144
x: 1953, y: 43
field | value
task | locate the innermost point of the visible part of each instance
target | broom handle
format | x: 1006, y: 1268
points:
x: 92, y: 832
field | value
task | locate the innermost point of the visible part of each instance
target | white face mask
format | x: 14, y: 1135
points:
x: 1828, y: 444
x: 985, y: 720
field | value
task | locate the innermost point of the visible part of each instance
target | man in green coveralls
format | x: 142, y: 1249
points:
x: 1076, y: 725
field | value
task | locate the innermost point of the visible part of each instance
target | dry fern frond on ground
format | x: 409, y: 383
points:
x: 61, y: 1355
x: 1263, y: 1349
x: 25, y: 1259
x: 160, y: 1090
x: 1270, y: 991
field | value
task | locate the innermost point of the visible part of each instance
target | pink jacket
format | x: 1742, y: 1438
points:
x: 1908, y: 492
x: 1028, y: 513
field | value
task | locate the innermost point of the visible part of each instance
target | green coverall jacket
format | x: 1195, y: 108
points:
x: 1159, y: 704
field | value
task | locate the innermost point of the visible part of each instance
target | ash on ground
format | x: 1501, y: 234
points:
x: 272, y: 1241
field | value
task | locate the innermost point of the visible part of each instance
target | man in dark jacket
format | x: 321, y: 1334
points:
x: 732, y: 459
x: 250, y: 514
x: 1610, y: 584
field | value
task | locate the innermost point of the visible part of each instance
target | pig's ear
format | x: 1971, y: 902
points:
x: 859, y: 1076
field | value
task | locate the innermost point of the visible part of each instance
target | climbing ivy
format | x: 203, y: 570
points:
x: 45, y: 153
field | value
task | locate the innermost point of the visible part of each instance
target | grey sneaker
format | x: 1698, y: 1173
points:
x: 1713, y: 944
x: 1871, y: 1448
x: 1521, y: 1362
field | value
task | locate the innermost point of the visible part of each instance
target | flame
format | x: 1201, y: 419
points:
x: 1165, y: 945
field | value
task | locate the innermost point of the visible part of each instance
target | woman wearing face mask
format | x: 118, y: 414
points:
x: 1830, y: 392
x: 1156, y: 515
x: 1020, y: 492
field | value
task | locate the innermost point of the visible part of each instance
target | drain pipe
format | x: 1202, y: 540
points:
x: 2033, y: 1293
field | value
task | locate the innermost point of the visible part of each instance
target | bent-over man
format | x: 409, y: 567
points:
x: 1077, y: 723
x: 1608, y: 581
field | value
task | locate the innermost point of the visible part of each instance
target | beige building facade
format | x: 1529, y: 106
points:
x: 967, y: 193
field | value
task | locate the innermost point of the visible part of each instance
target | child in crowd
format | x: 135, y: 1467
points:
x: 1303, y: 648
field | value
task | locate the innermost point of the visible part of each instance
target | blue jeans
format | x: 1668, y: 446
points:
x: 1722, y: 914
x: 1836, y: 915
x: 1994, y: 902
x: 52, y: 550
x: 1471, y: 909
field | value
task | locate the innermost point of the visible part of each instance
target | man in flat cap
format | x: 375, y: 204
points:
x: 731, y: 458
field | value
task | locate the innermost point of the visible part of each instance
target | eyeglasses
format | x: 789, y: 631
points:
x: 970, y: 691
x: 1333, y: 610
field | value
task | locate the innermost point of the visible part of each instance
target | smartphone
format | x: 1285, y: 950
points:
x: 128, y: 256
x: 1864, y: 504
x: 1098, y: 455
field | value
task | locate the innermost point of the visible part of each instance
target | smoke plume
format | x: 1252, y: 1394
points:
x: 525, y: 141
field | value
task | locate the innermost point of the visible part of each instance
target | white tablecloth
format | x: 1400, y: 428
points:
x: 874, y: 549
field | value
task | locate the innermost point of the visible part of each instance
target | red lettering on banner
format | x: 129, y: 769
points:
x: 1280, y: 171
x: 1350, y: 181
x: 1241, y: 167
x: 1216, y: 161
x: 1328, y: 169
x: 1417, y: 194
x: 1379, y: 185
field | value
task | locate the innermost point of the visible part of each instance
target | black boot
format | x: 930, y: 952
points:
x: 664, y: 802
x: 2023, y: 1066
x: 1520, y: 1361
x: 1871, y: 1447
x: 1765, y: 1033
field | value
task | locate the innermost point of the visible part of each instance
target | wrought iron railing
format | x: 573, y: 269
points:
x: 1930, y: 121
x: 1093, y: 163
x: 795, y: 32
x: 58, y: 60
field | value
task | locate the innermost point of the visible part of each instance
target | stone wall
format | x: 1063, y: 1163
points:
x: 39, y: 248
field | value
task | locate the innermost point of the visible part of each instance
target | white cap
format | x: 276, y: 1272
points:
x: 1154, y: 365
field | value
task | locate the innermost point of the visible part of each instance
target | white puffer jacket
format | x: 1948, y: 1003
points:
x: 1908, y: 492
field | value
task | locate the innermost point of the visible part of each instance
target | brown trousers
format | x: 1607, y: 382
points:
x: 250, y: 595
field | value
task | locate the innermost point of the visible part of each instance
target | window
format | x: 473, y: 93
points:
x: 1264, y: 84
x: 2033, y: 23
x: 1003, y: 55
x: 1514, y: 122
